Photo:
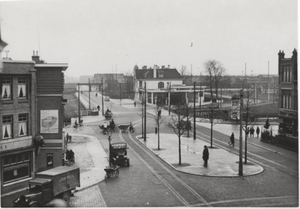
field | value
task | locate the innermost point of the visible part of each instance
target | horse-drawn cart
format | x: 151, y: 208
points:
x: 126, y: 127
x: 111, y: 171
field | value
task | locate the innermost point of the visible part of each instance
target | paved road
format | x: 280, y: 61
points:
x: 150, y: 182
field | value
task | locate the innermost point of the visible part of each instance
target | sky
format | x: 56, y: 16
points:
x: 112, y: 36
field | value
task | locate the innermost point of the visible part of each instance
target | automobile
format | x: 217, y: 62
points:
x: 55, y: 183
x: 106, y: 98
x: 118, y: 154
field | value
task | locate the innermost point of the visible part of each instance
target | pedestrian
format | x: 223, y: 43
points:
x: 72, y: 156
x: 231, y: 140
x: 205, y: 155
x: 134, y: 103
x: 98, y: 107
x: 247, y: 131
x: 252, y: 132
x: 257, y: 131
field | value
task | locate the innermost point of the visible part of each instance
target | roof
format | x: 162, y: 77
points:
x: 169, y: 73
x: 39, y: 180
x: 235, y: 96
x: 57, y: 170
x: 62, y: 65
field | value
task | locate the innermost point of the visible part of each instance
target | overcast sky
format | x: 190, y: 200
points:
x: 109, y: 36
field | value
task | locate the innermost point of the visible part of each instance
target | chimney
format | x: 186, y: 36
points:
x: 35, y: 57
x: 162, y: 67
x: 154, y: 71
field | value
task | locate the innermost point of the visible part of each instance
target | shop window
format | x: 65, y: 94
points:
x: 6, y: 88
x: 49, y: 160
x: 22, y: 87
x: 7, y: 122
x: 16, y: 166
x: 23, y: 124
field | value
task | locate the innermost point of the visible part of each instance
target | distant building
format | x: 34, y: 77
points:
x: 288, y: 94
x: 162, y: 84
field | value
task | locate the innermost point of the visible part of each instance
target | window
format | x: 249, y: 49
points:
x: 160, y: 74
x: 7, y: 122
x: 286, y: 73
x: 22, y: 87
x: 161, y: 85
x: 16, y: 166
x: 23, y: 124
x: 286, y: 99
x: 6, y: 88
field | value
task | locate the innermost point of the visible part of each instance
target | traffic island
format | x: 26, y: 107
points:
x: 221, y: 163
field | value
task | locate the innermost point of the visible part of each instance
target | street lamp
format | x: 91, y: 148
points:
x: 109, y: 140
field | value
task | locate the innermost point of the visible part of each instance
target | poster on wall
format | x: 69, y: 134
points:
x: 49, y: 121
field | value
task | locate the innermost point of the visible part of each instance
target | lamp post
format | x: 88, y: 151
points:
x: 241, y: 135
x: 109, y: 140
x: 194, y: 110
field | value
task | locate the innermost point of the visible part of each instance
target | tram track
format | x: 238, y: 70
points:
x: 185, y: 194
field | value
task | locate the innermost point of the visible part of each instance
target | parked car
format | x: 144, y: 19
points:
x: 106, y: 98
x: 50, y: 184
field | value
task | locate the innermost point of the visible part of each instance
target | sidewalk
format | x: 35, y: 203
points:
x: 221, y: 163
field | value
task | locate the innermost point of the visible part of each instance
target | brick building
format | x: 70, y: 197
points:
x: 31, y: 103
x: 288, y: 94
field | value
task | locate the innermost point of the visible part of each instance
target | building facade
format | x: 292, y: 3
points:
x: 31, y: 108
x: 18, y: 124
x: 162, y: 85
x: 288, y: 94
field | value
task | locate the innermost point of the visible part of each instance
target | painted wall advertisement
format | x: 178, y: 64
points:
x: 49, y: 121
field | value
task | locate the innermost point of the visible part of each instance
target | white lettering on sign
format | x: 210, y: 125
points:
x: 10, y: 144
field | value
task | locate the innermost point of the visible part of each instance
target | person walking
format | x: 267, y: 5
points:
x: 231, y: 143
x: 98, y: 107
x: 257, y: 131
x: 205, y: 155
x: 252, y: 132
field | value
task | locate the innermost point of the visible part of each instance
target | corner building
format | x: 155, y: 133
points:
x: 31, y: 104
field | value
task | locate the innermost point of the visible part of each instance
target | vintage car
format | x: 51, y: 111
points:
x: 118, y: 154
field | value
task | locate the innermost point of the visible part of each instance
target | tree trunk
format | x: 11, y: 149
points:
x: 179, y: 148
x: 158, y: 137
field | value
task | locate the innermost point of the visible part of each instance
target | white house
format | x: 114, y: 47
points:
x: 162, y: 85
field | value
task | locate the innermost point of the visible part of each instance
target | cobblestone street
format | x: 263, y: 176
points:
x: 89, y: 197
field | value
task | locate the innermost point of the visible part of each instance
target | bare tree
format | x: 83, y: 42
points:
x: 178, y: 124
x: 158, y: 121
x: 247, y: 121
x: 215, y: 72
x: 183, y: 73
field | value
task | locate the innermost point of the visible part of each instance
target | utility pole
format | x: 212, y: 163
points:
x: 102, y: 99
x: 78, y: 103
x: 89, y: 95
x: 241, y: 136
x: 120, y: 94
x: 145, y: 126
x: 194, y: 110
x: 169, y: 99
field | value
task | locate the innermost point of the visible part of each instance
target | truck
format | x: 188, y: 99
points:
x: 50, y: 184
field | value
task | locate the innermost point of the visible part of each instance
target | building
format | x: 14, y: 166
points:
x: 162, y: 85
x: 288, y: 94
x: 18, y: 124
x: 31, y: 105
x: 50, y: 112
